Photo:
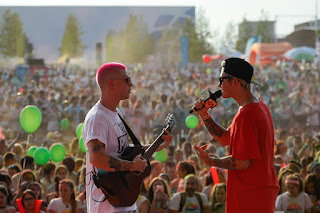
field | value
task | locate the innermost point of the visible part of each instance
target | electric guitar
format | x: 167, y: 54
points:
x: 122, y: 188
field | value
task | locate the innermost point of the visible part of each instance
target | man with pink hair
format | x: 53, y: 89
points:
x: 106, y: 137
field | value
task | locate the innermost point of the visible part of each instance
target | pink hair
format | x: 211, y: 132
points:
x: 105, y: 68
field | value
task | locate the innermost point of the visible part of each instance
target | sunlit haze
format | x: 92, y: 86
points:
x: 286, y: 13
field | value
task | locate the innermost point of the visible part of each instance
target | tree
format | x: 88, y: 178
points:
x: 12, y: 37
x: 199, y: 36
x: 138, y: 41
x: 168, y: 46
x: 245, y: 32
x: 264, y: 28
x: 71, y: 44
x: 131, y: 44
x: 228, y: 39
x: 109, y: 46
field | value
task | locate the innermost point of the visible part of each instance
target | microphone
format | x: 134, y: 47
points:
x: 210, y: 100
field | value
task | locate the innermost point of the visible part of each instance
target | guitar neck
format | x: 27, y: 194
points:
x: 155, y: 145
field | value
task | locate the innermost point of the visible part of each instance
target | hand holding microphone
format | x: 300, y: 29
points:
x: 207, y: 100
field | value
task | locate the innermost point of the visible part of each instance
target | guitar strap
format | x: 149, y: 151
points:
x: 132, y: 136
x: 94, y: 173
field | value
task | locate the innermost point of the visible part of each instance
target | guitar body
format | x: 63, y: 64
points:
x: 123, y: 187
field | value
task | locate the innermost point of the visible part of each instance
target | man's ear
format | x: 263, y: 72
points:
x: 235, y: 81
x: 110, y: 83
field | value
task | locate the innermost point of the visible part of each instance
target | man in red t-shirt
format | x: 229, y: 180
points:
x: 252, y: 184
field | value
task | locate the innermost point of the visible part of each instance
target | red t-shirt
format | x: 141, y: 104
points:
x: 254, y: 189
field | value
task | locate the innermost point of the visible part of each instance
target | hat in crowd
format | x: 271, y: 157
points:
x: 294, y: 165
x: 314, y: 165
x: 53, y: 135
x: 238, y: 68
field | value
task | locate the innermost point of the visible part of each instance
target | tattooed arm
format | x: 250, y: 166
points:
x: 218, y: 132
x: 100, y: 159
x: 227, y: 162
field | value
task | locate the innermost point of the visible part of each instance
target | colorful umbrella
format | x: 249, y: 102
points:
x: 299, y: 53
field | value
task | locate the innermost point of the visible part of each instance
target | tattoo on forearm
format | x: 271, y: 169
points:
x: 118, y: 164
x: 225, y: 163
x: 126, y: 166
x: 213, y: 128
x: 96, y: 146
x: 111, y: 162
x: 114, y: 163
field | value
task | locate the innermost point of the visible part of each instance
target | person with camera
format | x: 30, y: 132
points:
x: 159, y: 195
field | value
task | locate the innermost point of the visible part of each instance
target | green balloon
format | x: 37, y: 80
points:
x: 31, y: 150
x: 79, y: 130
x: 64, y: 123
x: 41, y: 156
x: 208, y: 71
x: 30, y: 118
x: 192, y: 121
x: 161, y: 155
x: 57, y: 152
x: 81, y: 145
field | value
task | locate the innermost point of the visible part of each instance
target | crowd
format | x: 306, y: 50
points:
x: 180, y: 182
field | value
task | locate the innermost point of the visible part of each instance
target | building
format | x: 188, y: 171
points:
x: 303, y: 35
x: 310, y: 25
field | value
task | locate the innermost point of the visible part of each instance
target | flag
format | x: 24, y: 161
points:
x: 249, y: 44
x: 317, y: 52
x: 259, y: 50
x: 184, y: 51
x: 229, y: 49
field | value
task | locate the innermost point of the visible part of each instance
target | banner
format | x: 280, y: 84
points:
x: 184, y: 51
x: 249, y: 44
x: 229, y: 49
x: 317, y: 52
x: 259, y: 52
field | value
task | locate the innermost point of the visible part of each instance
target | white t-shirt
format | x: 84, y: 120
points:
x: 57, y: 205
x: 140, y: 200
x: 290, y: 204
x: 106, y: 126
x: 191, y: 204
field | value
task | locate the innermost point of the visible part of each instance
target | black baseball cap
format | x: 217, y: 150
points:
x: 238, y: 68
